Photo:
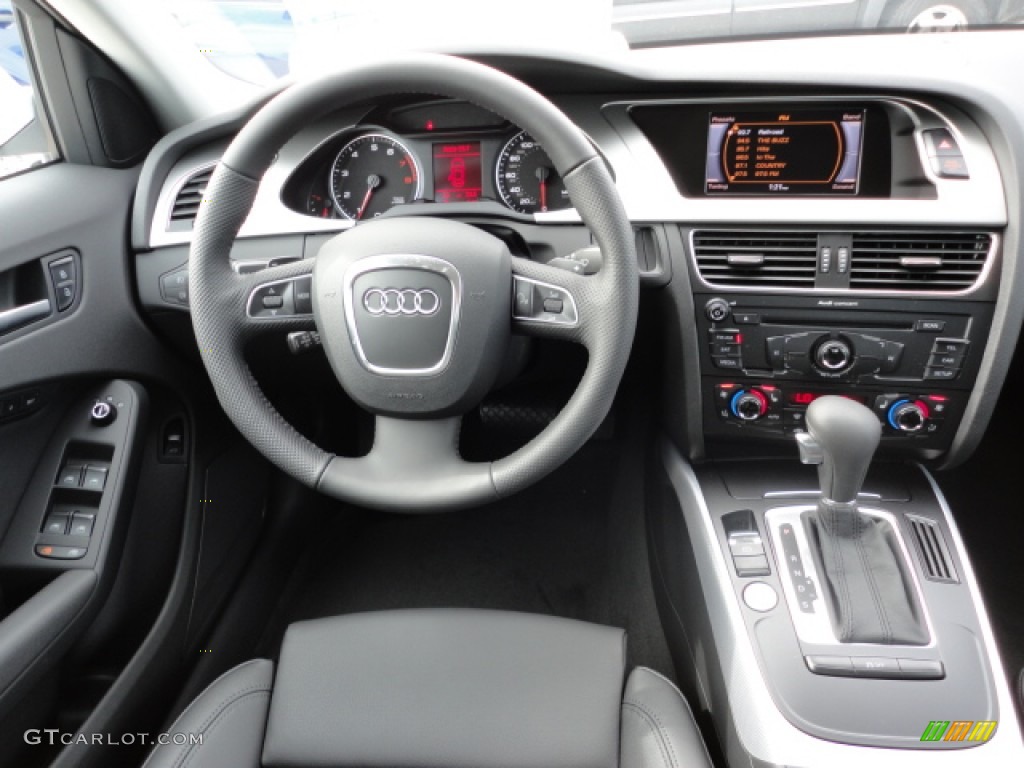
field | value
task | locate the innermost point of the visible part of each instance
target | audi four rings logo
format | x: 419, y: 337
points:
x: 401, y: 301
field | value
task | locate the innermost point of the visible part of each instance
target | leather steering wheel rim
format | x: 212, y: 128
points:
x: 402, y: 472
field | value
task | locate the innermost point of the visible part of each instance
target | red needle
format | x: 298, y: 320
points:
x: 372, y: 182
x: 542, y: 177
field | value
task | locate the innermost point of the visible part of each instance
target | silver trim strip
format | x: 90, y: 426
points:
x: 26, y: 313
x: 402, y: 261
x: 762, y: 730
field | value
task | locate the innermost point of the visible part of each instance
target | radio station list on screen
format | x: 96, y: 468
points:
x: 808, y: 152
x: 457, y: 176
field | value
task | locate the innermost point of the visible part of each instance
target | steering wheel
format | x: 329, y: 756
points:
x: 415, y: 312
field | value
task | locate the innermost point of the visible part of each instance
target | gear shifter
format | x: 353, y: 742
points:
x: 866, y: 583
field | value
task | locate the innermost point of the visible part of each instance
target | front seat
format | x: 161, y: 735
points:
x: 441, y: 688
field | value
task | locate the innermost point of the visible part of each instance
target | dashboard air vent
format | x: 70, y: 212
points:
x: 931, y: 546
x: 761, y: 259
x: 918, y: 261
x: 186, y: 204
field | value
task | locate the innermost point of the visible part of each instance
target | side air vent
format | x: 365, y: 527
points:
x: 760, y: 259
x: 186, y: 204
x: 931, y: 547
x: 918, y: 261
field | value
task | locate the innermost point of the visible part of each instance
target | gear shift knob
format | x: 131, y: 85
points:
x: 841, y: 439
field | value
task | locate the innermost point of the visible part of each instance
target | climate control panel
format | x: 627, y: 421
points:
x: 782, y: 410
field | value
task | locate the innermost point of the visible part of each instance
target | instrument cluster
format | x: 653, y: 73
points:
x: 442, y: 152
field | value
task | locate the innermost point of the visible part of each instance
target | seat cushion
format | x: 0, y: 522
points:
x: 229, y: 716
x: 658, y: 729
x: 447, y: 689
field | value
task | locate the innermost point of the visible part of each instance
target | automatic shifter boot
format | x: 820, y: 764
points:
x: 866, y: 581
x: 865, y: 586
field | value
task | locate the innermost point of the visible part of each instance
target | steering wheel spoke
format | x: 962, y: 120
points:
x: 417, y: 462
x: 278, y: 299
x: 549, y: 302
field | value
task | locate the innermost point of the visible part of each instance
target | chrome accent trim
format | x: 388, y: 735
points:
x: 24, y: 314
x: 979, y: 283
x: 761, y: 729
x: 812, y: 494
x: 817, y: 627
x: 402, y: 261
x: 569, y: 310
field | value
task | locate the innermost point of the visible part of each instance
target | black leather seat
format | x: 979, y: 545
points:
x: 433, y: 688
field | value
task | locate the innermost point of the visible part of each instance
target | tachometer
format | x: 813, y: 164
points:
x: 372, y: 173
x: 526, y: 178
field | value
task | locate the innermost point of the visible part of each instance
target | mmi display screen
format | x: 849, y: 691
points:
x: 786, y: 152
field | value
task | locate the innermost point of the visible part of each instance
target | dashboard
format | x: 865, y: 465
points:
x: 809, y: 241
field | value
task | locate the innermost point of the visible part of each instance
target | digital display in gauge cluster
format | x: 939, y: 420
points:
x: 457, y: 173
x: 785, y: 152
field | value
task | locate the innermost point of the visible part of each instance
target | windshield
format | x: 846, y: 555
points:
x: 261, y: 40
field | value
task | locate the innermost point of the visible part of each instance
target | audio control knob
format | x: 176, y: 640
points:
x: 908, y: 416
x: 717, y: 310
x: 749, y: 405
x: 834, y: 355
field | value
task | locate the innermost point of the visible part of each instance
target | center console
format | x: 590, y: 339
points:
x: 829, y: 264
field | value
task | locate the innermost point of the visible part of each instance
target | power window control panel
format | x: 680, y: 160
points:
x: 67, y: 530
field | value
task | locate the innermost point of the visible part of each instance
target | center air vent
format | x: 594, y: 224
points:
x: 186, y: 204
x: 760, y: 259
x: 918, y: 261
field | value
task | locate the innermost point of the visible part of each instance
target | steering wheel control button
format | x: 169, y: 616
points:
x: 760, y: 597
x: 717, y: 310
x: 542, y: 302
x: 95, y: 478
x: 60, y: 553
x: 834, y: 666
x: 303, y: 341
x: 174, y: 287
x: 272, y: 300
x: 302, y: 290
x: 102, y: 414
x: 56, y: 525
x: 403, y: 319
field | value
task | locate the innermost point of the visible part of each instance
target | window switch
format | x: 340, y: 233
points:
x: 81, y: 524
x: 70, y: 476
x: 95, y: 478
x: 56, y: 525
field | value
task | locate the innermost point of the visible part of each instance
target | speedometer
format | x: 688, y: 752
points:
x: 372, y: 173
x: 526, y: 178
